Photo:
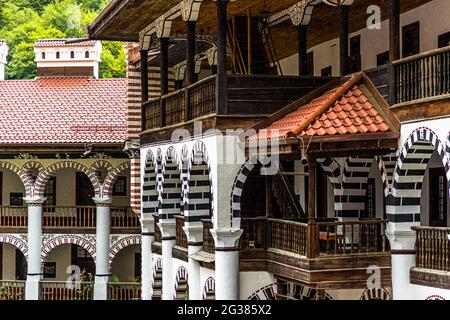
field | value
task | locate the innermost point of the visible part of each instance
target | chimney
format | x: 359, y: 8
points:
x: 3, y: 54
x: 57, y: 58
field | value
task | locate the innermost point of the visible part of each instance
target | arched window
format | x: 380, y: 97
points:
x: 86, y: 54
x: 72, y: 55
x: 43, y: 55
x: 58, y: 55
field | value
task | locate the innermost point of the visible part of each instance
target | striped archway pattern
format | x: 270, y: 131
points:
x: 84, y: 243
x: 198, y: 194
x: 41, y: 180
x: 23, y: 175
x: 171, y: 187
x: 181, y: 285
x: 209, y: 289
x: 111, y: 178
x: 16, y: 242
x: 376, y: 294
x: 150, y: 187
x: 266, y: 293
x: 403, y: 204
x: 122, y: 244
x: 157, y: 280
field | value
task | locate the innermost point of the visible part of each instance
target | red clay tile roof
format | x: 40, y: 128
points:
x: 47, y: 43
x: 343, y: 110
x: 63, y: 111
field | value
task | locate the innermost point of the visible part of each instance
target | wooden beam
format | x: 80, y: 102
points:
x: 312, y: 250
x: 343, y: 39
x: 190, y: 65
x: 221, y: 84
x: 144, y: 85
x: 164, y: 69
x: 302, y: 50
x: 394, y: 46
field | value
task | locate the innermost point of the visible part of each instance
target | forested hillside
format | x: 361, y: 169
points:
x: 22, y: 22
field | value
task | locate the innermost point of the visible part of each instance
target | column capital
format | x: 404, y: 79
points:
x: 102, y: 201
x: 168, y: 229
x: 147, y: 224
x: 226, y: 239
x: 401, y: 240
x: 194, y: 234
x: 34, y: 201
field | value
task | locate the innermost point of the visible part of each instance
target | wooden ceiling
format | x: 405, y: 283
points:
x: 131, y: 16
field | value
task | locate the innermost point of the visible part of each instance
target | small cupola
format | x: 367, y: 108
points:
x: 3, y: 54
x: 65, y: 58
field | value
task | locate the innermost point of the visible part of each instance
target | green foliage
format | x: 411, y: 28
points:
x: 22, y: 22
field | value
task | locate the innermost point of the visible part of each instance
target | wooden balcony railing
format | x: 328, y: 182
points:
x: 124, y: 291
x: 202, y: 98
x: 254, y: 233
x: 124, y: 217
x: 423, y: 76
x: 54, y: 290
x: 173, y: 106
x: 352, y: 237
x: 68, y: 217
x: 181, y: 240
x: 432, y: 247
x: 246, y: 95
x: 208, y: 240
x: 13, y: 217
x: 12, y: 290
x: 288, y: 236
x: 152, y: 114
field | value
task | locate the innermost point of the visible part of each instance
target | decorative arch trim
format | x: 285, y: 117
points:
x: 376, y: 294
x: 265, y: 293
x: 407, y: 184
x: 112, y: 177
x: 23, y: 175
x: 41, y: 180
x: 16, y: 242
x: 122, y: 244
x: 86, y: 244
x: 209, y: 289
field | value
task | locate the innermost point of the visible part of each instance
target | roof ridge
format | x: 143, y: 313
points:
x: 356, y: 78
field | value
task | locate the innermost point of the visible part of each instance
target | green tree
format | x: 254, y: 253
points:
x: 22, y: 22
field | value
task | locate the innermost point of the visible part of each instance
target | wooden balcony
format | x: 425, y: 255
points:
x: 124, y: 291
x: 69, y: 217
x: 432, y: 257
x: 326, y: 254
x: 54, y: 290
x: 208, y: 240
x: 251, y: 97
x: 12, y: 290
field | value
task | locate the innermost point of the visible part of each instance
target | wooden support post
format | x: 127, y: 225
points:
x: 312, y: 250
x: 302, y: 50
x: 221, y: 84
x: 394, y: 46
x: 269, y: 213
x: 164, y: 69
x: 249, y: 41
x: 190, y: 65
x: 343, y: 39
x: 144, y: 85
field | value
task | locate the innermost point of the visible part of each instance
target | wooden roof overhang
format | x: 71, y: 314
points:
x: 337, y: 145
x: 123, y: 20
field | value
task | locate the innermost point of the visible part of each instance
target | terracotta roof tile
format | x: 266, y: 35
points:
x: 351, y: 113
x: 47, y: 43
x: 63, y: 110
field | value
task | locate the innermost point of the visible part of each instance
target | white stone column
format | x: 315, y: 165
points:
x: 102, y: 272
x: 148, y: 236
x: 403, y: 259
x: 227, y: 263
x: 194, y: 234
x: 168, y: 238
x: 34, y: 247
